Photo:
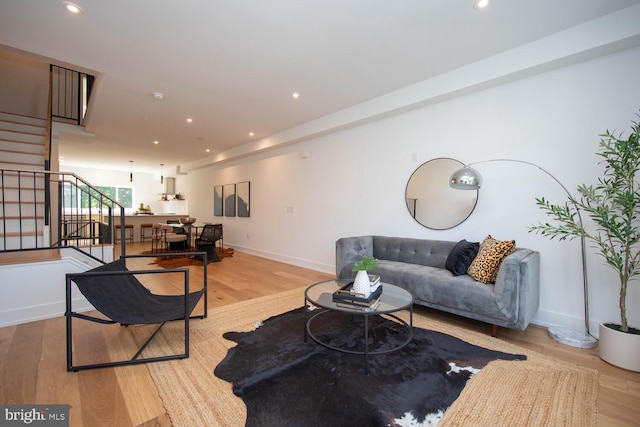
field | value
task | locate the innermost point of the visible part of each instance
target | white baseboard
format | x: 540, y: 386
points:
x: 311, y: 265
x: 542, y: 318
x: 34, y: 313
x: 36, y: 291
x: 548, y: 319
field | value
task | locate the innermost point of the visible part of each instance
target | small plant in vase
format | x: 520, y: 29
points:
x: 361, y: 283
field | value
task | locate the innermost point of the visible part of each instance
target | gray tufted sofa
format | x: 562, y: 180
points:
x: 418, y: 266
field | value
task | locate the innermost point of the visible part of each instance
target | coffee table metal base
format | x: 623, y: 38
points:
x: 366, y: 352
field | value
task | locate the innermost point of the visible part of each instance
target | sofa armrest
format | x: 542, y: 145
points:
x: 517, y: 287
x: 350, y: 250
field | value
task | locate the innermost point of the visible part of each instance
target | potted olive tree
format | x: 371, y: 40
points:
x: 613, y: 204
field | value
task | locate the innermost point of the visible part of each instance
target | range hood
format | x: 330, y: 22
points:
x: 169, y: 185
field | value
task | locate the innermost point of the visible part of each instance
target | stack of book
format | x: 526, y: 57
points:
x: 375, y: 281
x: 345, y: 297
x: 354, y: 305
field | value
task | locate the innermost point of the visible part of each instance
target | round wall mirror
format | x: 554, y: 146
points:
x: 432, y: 202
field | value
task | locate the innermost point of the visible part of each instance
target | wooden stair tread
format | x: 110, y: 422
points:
x: 15, y: 217
x: 19, y: 257
x: 21, y: 163
x: 14, y: 202
x: 23, y: 234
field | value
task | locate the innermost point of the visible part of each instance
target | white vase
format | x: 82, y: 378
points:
x: 361, y: 284
x: 621, y: 349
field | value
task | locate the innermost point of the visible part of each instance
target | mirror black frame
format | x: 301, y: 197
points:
x: 438, y: 193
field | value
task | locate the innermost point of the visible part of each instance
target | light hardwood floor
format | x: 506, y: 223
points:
x: 33, y: 359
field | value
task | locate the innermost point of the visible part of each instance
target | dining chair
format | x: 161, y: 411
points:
x: 206, y: 241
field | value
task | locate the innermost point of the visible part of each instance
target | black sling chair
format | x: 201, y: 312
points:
x: 115, y: 292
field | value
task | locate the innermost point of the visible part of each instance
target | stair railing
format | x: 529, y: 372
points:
x: 70, y: 92
x: 85, y: 217
x: 68, y: 101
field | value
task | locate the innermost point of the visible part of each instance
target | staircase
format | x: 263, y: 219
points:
x: 22, y: 142
x: 51, y: 222
x: 22, y: 200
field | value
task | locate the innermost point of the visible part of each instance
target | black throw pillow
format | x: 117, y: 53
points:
x: 461, y: 257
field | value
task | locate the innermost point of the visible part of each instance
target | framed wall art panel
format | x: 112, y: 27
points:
x: 229, y: 192
x: 243, y: 197
x: 218, y: 197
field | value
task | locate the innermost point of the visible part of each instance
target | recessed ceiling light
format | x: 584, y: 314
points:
x: 250, y: 133
x: 73, y: 8
x: 189, y: 120
x: 207, y: 150
x: 156, y: 142
x: 158, y: 95
x: 295, y: 95
x: 480, y: 4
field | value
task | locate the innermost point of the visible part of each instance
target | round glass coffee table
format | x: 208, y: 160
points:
x: 392, y: 300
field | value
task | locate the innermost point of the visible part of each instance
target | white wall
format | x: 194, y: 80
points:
x: 353, y: 181
x: 37, y: 290
x: 24, y: 85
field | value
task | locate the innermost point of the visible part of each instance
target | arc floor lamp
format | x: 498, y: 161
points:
x: 468, y: 178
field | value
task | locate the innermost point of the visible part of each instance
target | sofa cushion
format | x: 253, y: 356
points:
x: 486, y: 264
x: 461, y: 257
x: 440, y: 287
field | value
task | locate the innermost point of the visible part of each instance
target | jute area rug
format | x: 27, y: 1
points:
x: 541, y: 391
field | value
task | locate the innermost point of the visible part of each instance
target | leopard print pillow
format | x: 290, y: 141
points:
x: 484, y: 267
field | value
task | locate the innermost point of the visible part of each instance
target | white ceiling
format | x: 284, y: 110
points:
x: 232, y: 66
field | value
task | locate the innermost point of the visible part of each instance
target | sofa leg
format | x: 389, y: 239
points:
x: 494, y: 331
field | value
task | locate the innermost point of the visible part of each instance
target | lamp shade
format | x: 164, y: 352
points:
x: 466, y: 179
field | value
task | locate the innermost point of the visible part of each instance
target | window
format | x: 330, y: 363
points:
x: 93, y: 199
x: 124, y: 195
x: 69, y: 196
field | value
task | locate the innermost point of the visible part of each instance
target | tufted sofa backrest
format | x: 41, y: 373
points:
x: 432, y: 253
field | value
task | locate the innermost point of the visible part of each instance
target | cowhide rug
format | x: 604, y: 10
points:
x: 285, y: 381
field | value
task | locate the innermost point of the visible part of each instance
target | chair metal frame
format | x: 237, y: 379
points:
x: 70, y: 314
x: 204, y: 241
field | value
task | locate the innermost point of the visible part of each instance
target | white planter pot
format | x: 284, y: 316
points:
x: 619, y: 348
x: 361, y: 284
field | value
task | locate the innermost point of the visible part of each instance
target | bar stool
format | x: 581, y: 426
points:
x: 143, y: 232
x: 157, y: 238
x: 128, y: 232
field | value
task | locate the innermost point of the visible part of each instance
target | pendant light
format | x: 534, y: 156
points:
x: 161, y: 173
x: 130, y: 170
